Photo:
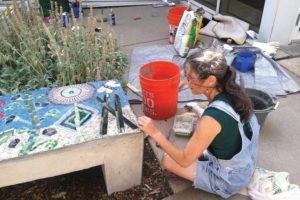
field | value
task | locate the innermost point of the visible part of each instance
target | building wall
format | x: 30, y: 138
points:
x: 285, y: 21
x: 267, y: 20
x: 278, y: 21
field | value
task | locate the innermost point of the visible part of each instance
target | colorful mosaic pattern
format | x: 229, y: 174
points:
x: 71, y: 94
x: 46, y: 119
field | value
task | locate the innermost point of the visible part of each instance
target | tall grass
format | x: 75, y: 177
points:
x: 34, y: 54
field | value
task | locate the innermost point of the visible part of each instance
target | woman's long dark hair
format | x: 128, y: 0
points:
x: 213, y: 62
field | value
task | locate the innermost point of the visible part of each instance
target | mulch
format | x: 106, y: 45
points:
x: 89, y: 185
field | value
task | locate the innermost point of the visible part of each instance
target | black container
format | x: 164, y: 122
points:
x: 263, y: 104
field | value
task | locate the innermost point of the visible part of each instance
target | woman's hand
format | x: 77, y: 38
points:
x: 146, y: 125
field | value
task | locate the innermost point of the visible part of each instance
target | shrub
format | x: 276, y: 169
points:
x: 34, y: 54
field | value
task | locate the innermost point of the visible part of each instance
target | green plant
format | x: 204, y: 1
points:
x: 35, y: 55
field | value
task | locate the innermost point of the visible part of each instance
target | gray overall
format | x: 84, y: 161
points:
x: 228, y: 177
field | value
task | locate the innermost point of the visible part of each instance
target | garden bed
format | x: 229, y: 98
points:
x: 89, y: 184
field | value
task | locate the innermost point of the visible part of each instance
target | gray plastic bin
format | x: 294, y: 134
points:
x: 263, y: 104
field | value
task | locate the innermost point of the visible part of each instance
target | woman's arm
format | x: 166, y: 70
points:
x: 206, y: 130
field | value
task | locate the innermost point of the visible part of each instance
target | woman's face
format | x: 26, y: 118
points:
x: 191, y: 79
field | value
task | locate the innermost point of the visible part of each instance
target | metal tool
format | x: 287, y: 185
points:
x: 119, y: 114
x: 134, y: 90
x: 104, y: 119
x: 112, y: 111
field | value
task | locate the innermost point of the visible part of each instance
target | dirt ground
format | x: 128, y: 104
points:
x: 89, y: 184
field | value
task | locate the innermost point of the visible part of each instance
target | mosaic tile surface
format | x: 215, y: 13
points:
x: 46, y: 119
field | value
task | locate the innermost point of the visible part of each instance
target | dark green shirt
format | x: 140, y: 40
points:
x: 228, y: 142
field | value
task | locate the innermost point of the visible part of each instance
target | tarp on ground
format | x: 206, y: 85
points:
x: 268, y: 76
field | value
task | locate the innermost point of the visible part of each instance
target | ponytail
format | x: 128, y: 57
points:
x: 212, y: 62
x: 241, y: 102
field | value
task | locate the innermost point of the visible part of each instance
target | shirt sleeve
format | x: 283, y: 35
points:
x: 217, y: 114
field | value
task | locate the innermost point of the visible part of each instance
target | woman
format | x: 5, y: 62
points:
x: 220, y: 157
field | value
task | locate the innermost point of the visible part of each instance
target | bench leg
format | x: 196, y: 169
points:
x: 123, y: 160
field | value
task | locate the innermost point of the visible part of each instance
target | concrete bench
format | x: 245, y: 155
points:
x: 120, y: 157
x: 46, y: 133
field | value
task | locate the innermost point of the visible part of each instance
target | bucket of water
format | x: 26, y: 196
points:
x: 159, y: 82
x: 263, y: 104
x: 174, y: 17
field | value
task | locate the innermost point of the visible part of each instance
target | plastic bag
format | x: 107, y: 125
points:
x: 188, y: 31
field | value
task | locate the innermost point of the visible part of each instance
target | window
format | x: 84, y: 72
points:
x: 247, y: 10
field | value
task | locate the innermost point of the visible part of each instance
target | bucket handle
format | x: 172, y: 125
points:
x: 273, y: 107
x: 276, y: 105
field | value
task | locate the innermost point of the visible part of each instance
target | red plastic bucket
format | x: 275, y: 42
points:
x: 159, y: 82
x: 174, y: 17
